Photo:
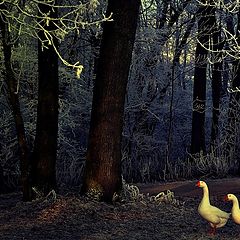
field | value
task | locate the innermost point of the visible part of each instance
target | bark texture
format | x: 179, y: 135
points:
x: 199, y: 88
x: 216, y: 79
x: 45, y: 146
x: 232, y: 130
x: 103, y: 163
x: 13, y: 96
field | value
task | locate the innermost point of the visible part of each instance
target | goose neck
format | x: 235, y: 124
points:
x: 235, y: 203
x: 206, y: 195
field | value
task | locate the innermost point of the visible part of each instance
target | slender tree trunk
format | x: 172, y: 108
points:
x: 183, y: 73
x: 216, y: 96
x: 233, y: 122
x: 229, y: 18
x: 217, y: 66
x: 233, y: 111
x: 45, y: 146
x: 199, y: 88
x: 216, y: 79
x: 12, y: 85
x: 103, y: 163
x: 2, y: 184
x: 199, y: 98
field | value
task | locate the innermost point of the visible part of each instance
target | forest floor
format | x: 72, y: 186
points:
x: 71, y: 216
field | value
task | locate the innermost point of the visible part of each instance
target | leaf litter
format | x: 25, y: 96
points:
x: 137, y: 217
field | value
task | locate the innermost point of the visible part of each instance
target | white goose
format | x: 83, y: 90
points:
x: 216, y: 217
x: 235, y: 207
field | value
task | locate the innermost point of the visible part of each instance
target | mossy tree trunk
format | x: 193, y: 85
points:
x: 103, y: 162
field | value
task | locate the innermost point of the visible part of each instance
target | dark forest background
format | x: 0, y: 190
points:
x: 181, y: 109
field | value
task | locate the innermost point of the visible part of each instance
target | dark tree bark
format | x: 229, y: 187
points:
x: 199, y: 88
x: 233, y: 111
x: 12, y: 86
x: 235, y: 94
x: 2, y: 185
x: 229, y: 18
x: 103, y: 162
x: 216, y: 77
x: 45, y: 146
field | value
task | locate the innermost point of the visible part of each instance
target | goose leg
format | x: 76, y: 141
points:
x: 212, y: 231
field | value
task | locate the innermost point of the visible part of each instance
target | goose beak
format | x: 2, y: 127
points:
x: 197, y: 184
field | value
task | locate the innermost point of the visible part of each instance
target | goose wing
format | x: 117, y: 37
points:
x: 218, y: 212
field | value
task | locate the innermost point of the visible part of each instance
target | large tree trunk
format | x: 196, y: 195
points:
x: 45, y: 146
x: 199, y: 88
x: 103, y: 163
x: 12, y: 85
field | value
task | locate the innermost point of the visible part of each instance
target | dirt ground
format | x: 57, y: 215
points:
x: 71, y: 216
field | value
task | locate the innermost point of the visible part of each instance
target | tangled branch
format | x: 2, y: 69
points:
x: 26, y: 18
